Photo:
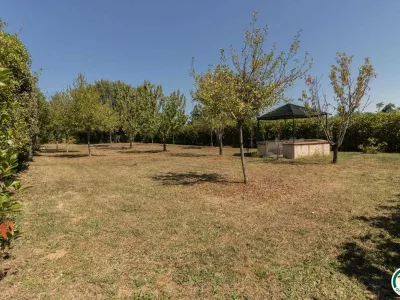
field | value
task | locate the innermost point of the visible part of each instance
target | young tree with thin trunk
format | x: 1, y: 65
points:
x: 62, y: 121
x: 256, y: 81
x: 349, y: 95
x: 149, y: 99
x: 172, y: 115
x: 89, y: 111
x: 130, y: 114
x: 111, y: 120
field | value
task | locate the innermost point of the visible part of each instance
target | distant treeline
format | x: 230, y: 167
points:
x: 384, y: 127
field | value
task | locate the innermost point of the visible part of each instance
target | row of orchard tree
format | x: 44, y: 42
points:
x: 110, y: 106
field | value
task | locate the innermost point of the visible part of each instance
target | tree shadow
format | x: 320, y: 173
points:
x: 66, y: 155
x: 297, y: 162
x: 247, y: 154
x: 140, y: 151
x: 192, y: 147
x: 188, y: 178
x: 54, y: 151
x: 372, y: 258
x: 187, y: 155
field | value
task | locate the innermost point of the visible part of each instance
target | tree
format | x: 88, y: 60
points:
x: 172, y: 115
x: 390, y: 107
x: 129, y: 112
x: 20, y: 93
x: 89, y: 111
x: 349, y: 94
x: 111, y: 120
x: 62, y: 116
x: 213, y: 120
x: 256, y: 82
x: 379, y: 106
x: 149, y: 99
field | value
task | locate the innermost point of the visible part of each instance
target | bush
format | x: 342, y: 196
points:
x: 9, y: 185
x: 372, y: 146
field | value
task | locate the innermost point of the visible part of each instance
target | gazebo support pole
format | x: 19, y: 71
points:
x: 285, y: 137
x: 294, y: 131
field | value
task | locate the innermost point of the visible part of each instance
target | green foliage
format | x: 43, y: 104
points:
x: 88, y: 110
x: 62, y: 114
x: 129, y: 112
x: 19, y: 92
x: 372, y: 146
x: 149, y: 98
x: 9, y: 185
x: 172, y: 115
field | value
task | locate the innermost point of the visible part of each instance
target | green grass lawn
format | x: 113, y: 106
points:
x: 144, y: 224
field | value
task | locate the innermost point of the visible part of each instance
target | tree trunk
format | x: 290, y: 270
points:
x: 173, y: 139
x: 88, y: 144
x: 57, y: 145
x: 66, y: 142
x: 110, y: 139
x: 130, y: 142
x: 152, y: 141
x: 164, y: 145
x: 251, y: 138
x: 220, y: 143
x: 242, y: 154
x: 211, y: 139
x: 335, y: 153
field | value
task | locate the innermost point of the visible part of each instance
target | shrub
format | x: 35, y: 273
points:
x: 9, y: 185
x: 372, y: 146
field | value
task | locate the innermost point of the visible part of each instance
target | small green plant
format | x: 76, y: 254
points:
x: 372, y: 146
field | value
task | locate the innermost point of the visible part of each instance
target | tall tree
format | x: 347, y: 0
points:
x: 149, y: 100
x: 257, y: 81
x: 111, y: 121
x: 62, y: 117
x: 212, y: 119
x: 21, y: 93
x: 89, y: 111
x: 129, y: 112
x: 349, y: 96
x: 390, y: 107
x: 172, y: 115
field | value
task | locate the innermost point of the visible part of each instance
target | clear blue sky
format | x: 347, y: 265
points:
x: 155, y: 40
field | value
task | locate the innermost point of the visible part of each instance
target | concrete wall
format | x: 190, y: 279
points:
x: 266, y: 148
x: 304, y: 149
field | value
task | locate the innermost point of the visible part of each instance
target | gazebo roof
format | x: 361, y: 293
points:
x: 290, y: 111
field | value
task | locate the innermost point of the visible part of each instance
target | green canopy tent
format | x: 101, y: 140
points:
x: 290, y: 111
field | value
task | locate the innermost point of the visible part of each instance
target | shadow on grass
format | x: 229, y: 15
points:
x: 140, y: 151
x: 187, y: 155
x: 66, y: 155
x: 247, y: 154
x: 192, y: 147
x: 54, y: 151
x: 304, y: 161
x: 188, y: 178
x: 372, y: 258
